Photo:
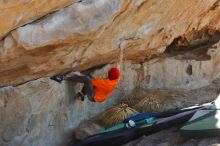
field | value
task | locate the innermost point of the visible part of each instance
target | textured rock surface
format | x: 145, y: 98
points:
x: 42, y: 113
x: 89, y: 33
x: 17, y: 13
x: 87, y: 128
x: 168, y: 44
x: 170, y: 72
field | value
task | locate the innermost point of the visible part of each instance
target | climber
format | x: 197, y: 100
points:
x: 96, y: 90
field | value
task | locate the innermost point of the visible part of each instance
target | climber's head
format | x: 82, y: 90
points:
x: 114, y: 73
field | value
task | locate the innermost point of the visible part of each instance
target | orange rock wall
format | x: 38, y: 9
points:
x: 15, y: 13
x: 89, y: 33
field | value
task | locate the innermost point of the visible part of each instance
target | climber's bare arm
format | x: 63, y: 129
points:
x: 73, y: 73
x: 120, y: 57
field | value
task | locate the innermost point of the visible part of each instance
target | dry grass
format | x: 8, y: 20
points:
x: 116, y: 114
x: 148, y: 100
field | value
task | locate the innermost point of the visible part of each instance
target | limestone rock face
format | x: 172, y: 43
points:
x: 89, y: 33
x: 168, y: 44
x: 42, y: 113
x: 17, y: 13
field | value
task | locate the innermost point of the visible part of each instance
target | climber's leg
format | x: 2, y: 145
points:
x: 87, y: 89
x: 76, y: 77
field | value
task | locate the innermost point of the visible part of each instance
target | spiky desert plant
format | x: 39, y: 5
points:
x: 148, y: 100
x: 116, y: 114
x: 149, y: 103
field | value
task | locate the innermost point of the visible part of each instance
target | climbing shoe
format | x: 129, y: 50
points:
x: 58, y: 78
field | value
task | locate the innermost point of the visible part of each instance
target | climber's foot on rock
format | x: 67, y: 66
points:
x: 58, y: 78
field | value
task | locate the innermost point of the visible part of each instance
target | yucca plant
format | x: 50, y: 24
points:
x: 116, y: 114
x: 148, y: 100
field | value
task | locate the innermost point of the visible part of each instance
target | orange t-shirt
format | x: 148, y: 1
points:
x: 103, y: 88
